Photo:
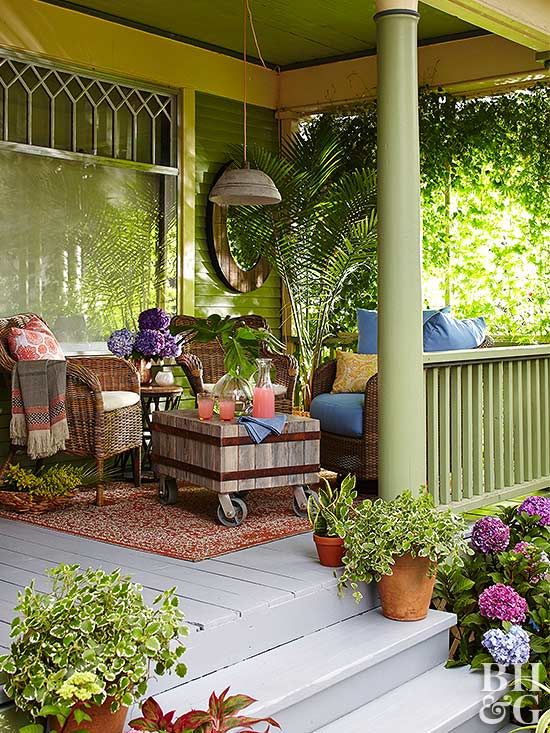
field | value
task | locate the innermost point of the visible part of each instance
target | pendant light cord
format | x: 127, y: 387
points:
x: 248, y: 12
x: 245, y: 8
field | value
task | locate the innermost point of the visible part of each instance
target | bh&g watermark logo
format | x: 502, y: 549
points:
x: 507, y: 698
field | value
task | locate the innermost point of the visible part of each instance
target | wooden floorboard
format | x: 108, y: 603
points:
x: 238, y: 604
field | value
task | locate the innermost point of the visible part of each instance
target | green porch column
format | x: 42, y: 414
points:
x: 402, y: 425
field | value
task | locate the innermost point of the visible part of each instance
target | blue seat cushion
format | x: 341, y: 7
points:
x: 445, y: 333
x: 367, y: 323
x: 339, y: 413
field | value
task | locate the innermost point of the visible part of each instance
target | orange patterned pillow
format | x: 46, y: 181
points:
x: 34, y: 342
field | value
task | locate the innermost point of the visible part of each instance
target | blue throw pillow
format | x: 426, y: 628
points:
x: 367, y: 322
x: 442, y: 332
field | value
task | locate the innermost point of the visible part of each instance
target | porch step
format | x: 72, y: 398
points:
x: 319, y: 678
x: 438, y: 701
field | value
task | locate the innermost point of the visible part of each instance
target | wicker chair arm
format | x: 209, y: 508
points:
x: 79, y: 373
x: 323, y: 379
x: 111, y: 372
x: 193, y: 370
x: 370, y: 408
x: 286, y: 368
x: 7, y: 364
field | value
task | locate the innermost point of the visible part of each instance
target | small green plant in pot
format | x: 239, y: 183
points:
x: 328, y: 514
x: 399, y: 544
x: 83, y: 653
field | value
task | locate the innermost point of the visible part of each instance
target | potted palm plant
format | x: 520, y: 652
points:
x: 83, y: 653
x: 322, y: 232
x: 328, y: 514
x: 399, y: 544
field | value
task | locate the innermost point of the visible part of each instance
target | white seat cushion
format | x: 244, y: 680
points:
x: 117, y: 400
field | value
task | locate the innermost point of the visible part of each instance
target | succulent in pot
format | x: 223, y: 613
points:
x: 399, y: 544
x: 82, y: 654
x: 328, y: 513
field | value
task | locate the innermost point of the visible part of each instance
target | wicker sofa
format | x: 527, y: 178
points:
x: 94, y: 385
x: 203, y: 363
x: 345, y: 453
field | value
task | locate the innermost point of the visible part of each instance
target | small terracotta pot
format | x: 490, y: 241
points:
x: 330, y: 550
x: 406, y: 594
x: 103, y: 720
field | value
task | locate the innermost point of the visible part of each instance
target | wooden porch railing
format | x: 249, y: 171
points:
x: 488, y: 424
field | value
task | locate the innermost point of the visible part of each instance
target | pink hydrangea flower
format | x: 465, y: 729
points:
x: 490, y: 534
x: 502, y: 602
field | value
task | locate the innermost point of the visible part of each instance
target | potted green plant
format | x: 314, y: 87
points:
x: 51, y: 487
x: 221, y: 717
x: 399, y: 544
x: 82, y: 654
x: 241, y: 346
x: 328, y: 514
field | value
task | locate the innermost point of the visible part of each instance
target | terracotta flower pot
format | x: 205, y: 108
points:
x: 144, y: 369
x: 330, y: 550
x: 406, y: 594
x: 103, y: 720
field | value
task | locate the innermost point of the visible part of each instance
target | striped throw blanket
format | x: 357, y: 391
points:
x: 39, y: 420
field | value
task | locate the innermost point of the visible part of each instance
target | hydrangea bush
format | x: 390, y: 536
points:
x: 501, y: 593
x: 152, y: 340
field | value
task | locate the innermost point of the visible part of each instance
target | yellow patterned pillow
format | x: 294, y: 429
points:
x: 353, y: 371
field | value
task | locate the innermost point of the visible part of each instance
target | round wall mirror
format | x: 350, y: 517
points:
x: 231, y: 264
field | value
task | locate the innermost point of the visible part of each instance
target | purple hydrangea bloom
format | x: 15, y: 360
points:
x: 490, y: 534
x: 149, y: 343
x: 537, y: 506
x: 121, y: 342
x: 502, y: 602
x: 507, y: 647
x: 154, y: 319
x: 171, y: 347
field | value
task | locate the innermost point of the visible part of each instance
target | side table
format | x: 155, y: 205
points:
x: 156, y: 397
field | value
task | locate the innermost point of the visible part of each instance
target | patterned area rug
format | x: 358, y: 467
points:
x: 187, y: 530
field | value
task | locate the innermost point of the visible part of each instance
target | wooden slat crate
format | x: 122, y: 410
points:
x: 221, y: 456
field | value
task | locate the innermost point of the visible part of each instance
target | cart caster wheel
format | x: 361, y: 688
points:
x: 241, y: 513
x: 168, y: 490
x: 300, y: 499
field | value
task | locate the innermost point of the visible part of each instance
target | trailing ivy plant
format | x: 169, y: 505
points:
x: 381, y: 531
x: 485, y: 184
x: 92, y: 638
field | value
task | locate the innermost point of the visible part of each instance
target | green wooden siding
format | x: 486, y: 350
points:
x: 219, y: 127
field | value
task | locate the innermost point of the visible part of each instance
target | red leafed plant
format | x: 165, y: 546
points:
x: 220, y: 717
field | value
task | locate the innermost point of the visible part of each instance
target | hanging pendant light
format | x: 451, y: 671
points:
x: 245, y: 186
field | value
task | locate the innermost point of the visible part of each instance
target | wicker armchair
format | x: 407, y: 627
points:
x: 203, y: 362
x: 93, y: 431
x: 342, y: 453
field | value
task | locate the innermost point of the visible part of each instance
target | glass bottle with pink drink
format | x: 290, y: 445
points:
x: 263, y: 400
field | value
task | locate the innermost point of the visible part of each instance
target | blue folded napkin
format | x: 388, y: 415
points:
x: 259, y: 428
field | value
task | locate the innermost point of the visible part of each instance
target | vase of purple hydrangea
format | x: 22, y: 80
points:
x: 152, y: 342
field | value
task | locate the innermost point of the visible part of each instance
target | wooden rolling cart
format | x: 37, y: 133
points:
x: 220, y: 456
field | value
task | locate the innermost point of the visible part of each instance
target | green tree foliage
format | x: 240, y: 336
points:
x: 486, y: 208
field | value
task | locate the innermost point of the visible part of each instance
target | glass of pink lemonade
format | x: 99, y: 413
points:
x: 205, y: 404
x: 226, y: 407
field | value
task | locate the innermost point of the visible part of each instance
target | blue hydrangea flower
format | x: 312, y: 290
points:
x: 507, y: 647
x: 121, y: 342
